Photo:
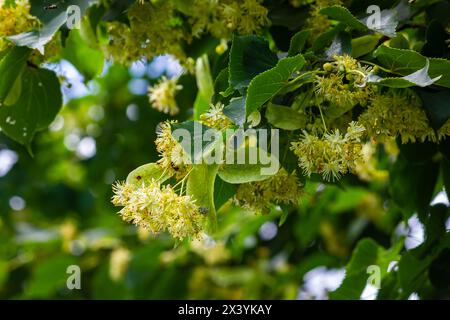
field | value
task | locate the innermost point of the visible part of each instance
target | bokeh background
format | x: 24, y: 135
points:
x: 55, y: 211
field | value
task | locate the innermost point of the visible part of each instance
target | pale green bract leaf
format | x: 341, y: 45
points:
x: 285, y: 117
x: 146, y: 173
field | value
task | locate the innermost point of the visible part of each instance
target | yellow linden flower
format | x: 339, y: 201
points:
x: 162, y: 96
x: 344, y: 85
x: 15, y: 19
x: 317, y: 22
x: 212, y: 252
x: 174, y: 159
x: 253, y: 17
x: 221, y: 18
x: 282, y: 188
x: 159, y: 208
x: 397, y: 115
x: 331, y: 155
x: 444, y: 131
x: 118, y: 263
x: 123, y: 46
x: 215, y: 118
x: 153, y: 30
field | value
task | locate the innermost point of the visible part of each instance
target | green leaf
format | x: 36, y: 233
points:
x: 200, y: 186
x: 406, y: 62
x: 205, y: 86
x: 249, y: 171
x: 327, y: 37
x: 221, y: 82
x: 4, y: 272
x: 414, y: 263
x: 235, y: 110
x: 37, y: 106
x: 223, y: 191
x: 367, y: 253
x: 445, y: 168
x: 387, y: 24
x: 241, y: 173
x: 49, y: 276
x: 342, y: 14
x: 88, y: 61
x: 266, y: 85
x: 412, y: 184
x: 419, y: 78
x: 298, y: 42
x: 285, y: 117
x: 249, y: 56
x: 364, y: 45
x: 437, y: 105
x: 146, y: 173
x: 11, y: 67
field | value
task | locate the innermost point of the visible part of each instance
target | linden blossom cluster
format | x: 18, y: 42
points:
x: 215, y: 118
x: 400, y: 114
x: 331, y: 155
x: 162, y: 95
x: 174, y: 159
x: 158, y: 208
x: 344, y: 84
x: 163, y: 27
x: 282, y: 188
x: 15, y: 19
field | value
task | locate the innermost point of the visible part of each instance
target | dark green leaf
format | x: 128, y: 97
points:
x: 343, y: 15
x: 37, y: 106
x: 266, y: 85
x: 419, y: 78
x: 298, y: 42
x: 406, y: 62
x: 223, y: 191
x: 437, y: 105
x: 249, y: 56
x: 364, y: 45
x: 412, y: 185
x: 11, y: 67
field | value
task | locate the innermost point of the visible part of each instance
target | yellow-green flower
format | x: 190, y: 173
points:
x: 215, y: 118
x: 159, y: 208
x: 282, y: 188
x: 344, y: 84
x: 15, y: 19
x: 397, y: 115
x: 162, y: 96
x: 331, y: 155
x: 174, y: 159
